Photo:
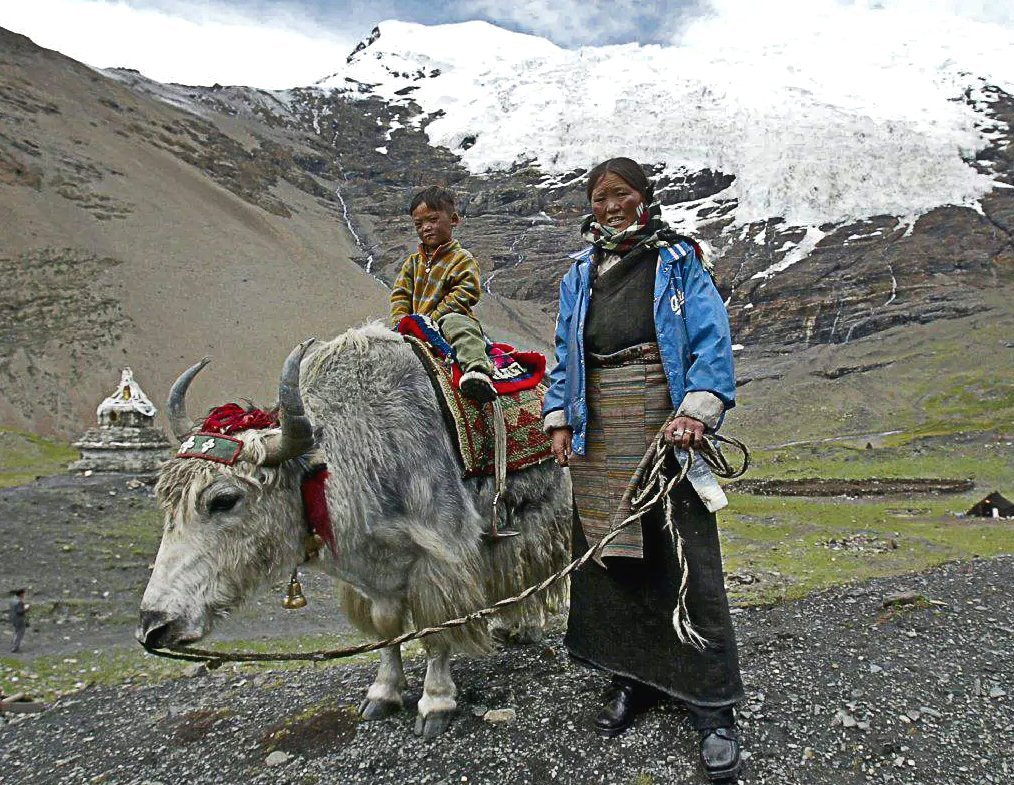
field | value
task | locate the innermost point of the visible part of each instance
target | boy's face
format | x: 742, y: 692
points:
x: 434, y: 226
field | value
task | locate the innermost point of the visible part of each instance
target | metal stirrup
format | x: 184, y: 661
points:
x: 500, y: 469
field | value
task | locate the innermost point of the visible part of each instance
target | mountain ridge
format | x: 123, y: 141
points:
x: 214, y: 214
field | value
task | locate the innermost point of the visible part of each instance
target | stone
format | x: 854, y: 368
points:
x: 276, y: 758
x: 901, y: 598
x: 500, y: 716
x: 195, y: 670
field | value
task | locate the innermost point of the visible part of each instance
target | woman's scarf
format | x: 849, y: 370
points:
x: 648, y: 230
x: 643, y: 231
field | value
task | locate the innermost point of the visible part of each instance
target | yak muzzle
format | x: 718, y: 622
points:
x: 157, y: 630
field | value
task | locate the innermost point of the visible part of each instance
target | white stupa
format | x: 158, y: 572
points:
x: 126, y: 438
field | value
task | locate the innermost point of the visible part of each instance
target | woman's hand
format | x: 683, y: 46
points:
x: 561, y: 444
x: 685, y: 432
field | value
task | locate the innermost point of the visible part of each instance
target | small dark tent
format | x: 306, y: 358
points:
x: 995, y: 501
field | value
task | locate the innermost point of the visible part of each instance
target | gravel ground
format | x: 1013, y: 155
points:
x: 841, y: 690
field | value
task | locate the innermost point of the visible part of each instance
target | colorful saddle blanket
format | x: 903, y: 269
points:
x: 517, y: 378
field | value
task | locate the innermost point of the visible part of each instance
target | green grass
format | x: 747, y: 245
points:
x: 945, y: 378
x: 782, y: 540
x: 25, y: 456
x: 48, y: 677
x: 987, y: 460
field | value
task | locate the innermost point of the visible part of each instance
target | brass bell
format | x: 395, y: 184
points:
x: 294, y: 599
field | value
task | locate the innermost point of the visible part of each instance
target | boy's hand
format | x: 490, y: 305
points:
x: 562, y: 438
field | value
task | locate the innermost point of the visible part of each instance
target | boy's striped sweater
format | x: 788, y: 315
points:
x: 447, y: 281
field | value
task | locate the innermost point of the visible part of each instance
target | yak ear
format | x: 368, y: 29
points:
x: 296, y: 436
x: 176, y: 407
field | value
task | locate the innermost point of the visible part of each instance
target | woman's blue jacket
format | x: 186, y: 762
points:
x: 691, y: 323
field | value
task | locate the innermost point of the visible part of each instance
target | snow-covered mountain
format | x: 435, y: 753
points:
x: 829, y: 115
x: 867, y: 148
x: 855, y: 184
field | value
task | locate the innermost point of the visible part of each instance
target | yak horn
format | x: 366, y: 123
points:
x: 296, y: 437
x: 176, y: 407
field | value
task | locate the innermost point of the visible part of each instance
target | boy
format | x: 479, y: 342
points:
x: 441, y: 281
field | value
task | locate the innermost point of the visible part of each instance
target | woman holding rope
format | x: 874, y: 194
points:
x: 652, y: 340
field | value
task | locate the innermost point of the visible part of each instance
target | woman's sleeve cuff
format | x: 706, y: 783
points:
x: 553, y: 420
x: 704, y: 406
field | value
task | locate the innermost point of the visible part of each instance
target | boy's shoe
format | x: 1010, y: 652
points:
x: 477, y: 386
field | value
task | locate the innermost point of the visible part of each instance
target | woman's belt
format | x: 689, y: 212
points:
x: 642, y: 354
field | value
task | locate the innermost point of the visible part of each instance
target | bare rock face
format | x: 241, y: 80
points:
x: 844, y: 282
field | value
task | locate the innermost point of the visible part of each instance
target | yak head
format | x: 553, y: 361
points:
x: 231, y: 521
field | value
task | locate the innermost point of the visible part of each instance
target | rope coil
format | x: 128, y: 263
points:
x: 643, y: 496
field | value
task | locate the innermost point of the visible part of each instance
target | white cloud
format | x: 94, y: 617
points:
x: 586, y: 22
x: 184, y: 42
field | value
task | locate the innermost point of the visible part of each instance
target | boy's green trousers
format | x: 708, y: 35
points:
x: 465, y: 334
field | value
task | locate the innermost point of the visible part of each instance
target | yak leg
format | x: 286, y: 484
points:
x: 438, y: 704
x: 384, y: 696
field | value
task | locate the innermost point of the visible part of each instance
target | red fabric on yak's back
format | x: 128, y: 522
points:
x: 513, y: 370
x: 472, y: 423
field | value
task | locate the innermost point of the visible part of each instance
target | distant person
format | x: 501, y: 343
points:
x: 642, y: 336
x: 19, y: 617
x: 441, y: 280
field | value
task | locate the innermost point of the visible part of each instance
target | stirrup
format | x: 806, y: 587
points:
x: 497, y: 533
x: 500, y: 469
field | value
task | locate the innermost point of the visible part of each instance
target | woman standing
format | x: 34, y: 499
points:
x: 653, y: 338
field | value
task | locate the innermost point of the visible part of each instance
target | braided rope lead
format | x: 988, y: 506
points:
x: 642, y: 499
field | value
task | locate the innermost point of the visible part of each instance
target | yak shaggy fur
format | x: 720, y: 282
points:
x: 408, y: 526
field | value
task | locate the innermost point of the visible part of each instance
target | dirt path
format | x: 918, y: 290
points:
x: 841, y: 690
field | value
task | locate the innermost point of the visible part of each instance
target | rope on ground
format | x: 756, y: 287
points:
x: 642, y: 493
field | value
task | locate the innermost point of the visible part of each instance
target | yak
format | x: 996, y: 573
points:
x: 408, y: 528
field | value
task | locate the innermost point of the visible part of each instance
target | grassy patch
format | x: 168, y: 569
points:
x: 784, y: 544
x: 49, y: 677
x: 985, y: 461
x: 25, y: 456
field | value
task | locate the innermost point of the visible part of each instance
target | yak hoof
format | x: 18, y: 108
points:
x: 378, y: 709
x: 433, y: 724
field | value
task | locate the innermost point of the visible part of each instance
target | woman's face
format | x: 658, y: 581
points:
x: 614, y: 202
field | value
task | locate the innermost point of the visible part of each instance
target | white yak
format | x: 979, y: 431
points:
x: 408, y: 528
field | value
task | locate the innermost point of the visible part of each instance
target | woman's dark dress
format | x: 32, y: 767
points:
x: 621, y: 617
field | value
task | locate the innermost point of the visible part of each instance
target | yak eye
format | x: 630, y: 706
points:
x: 224, y: 502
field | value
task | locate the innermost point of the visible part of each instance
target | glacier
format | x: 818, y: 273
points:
x: 824, y: 112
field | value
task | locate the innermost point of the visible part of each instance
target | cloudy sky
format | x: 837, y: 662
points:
x: 295, y: 42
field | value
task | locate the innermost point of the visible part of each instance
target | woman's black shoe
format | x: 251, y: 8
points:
x: 623, y: 701
x: 720, y: 753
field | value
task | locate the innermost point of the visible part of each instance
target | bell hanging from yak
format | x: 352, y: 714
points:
x: 294, y: 599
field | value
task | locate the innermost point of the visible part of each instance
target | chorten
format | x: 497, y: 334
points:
x: 126, y: 438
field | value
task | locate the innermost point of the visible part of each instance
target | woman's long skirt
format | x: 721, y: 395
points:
x: 621, y: 616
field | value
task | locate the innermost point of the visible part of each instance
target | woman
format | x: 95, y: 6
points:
x: 653, y: 338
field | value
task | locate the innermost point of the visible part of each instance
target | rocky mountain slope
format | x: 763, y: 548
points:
x: 151, y: 224
x: 136, y: 233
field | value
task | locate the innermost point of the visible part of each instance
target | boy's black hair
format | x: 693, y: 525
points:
x: 435, y: 197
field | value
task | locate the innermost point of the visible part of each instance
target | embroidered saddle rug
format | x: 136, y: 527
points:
x: 518, y: 380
